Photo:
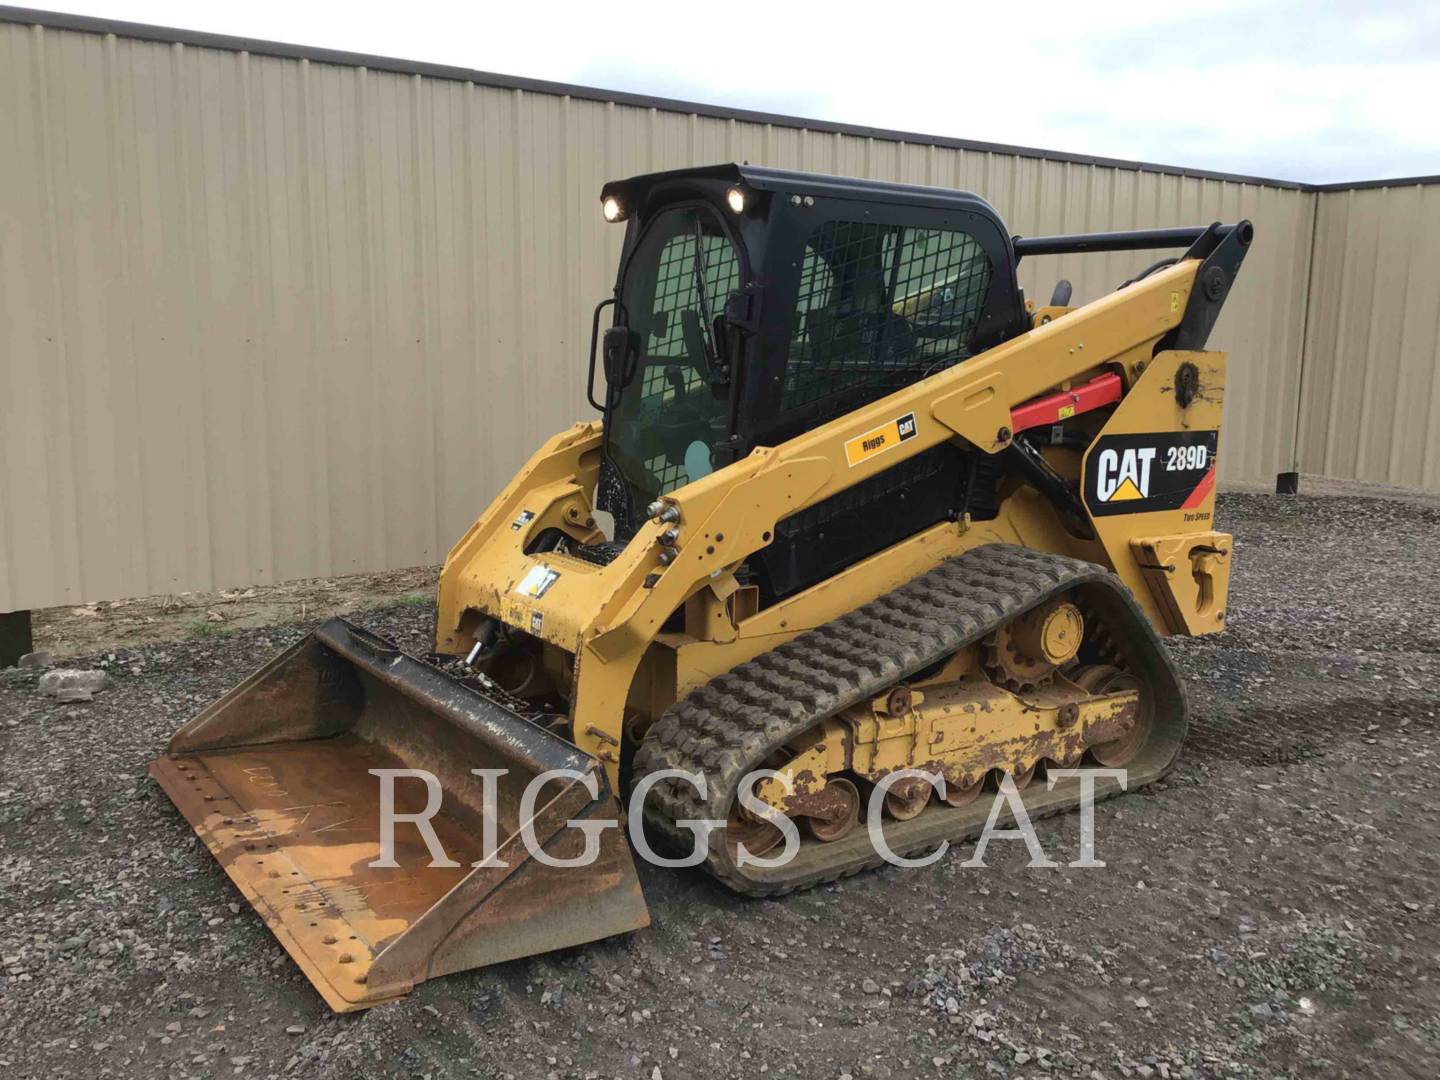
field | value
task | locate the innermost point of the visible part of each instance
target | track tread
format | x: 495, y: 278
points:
x: 728, y: 726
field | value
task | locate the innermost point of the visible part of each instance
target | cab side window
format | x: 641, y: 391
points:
x: 879, y: 307
x: 663, y: 426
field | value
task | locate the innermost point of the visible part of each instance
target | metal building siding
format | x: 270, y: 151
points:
x: 267, y: 318
x: 1371, y: 404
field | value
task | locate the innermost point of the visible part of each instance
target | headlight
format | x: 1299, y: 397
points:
x: 611, y: 209
x: 736, y: 198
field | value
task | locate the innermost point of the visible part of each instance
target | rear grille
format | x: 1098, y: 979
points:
x: 920, y: 467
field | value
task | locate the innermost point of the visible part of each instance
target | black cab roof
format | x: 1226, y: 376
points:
x: 635, y: 192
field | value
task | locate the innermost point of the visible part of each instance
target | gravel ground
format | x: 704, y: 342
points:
x: 1270, y: 910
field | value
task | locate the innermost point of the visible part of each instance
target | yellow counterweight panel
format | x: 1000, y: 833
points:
x: 1149, y: 485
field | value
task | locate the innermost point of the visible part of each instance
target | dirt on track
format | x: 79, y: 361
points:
x: 1269, y: 910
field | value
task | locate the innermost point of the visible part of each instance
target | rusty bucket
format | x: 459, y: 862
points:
x: 276, y: 778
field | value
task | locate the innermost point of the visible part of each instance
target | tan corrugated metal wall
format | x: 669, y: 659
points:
x: 1370, y: 408
x: 268, y: 318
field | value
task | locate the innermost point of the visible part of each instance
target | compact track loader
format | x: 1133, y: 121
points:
x: 856, y: 507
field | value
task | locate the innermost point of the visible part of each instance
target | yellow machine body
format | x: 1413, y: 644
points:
x: 969, y: 649
x: 605, y: 622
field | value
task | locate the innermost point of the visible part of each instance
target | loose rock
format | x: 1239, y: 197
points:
x: 73, y: 684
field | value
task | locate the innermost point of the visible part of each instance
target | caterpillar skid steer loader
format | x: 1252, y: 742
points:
x: 871, y: 514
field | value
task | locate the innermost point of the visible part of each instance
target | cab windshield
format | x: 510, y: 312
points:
x: 663, y: 424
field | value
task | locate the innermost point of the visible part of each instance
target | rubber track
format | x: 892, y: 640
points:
x: 729, y: 726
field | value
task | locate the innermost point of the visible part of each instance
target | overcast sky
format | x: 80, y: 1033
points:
x: 1315, y: 91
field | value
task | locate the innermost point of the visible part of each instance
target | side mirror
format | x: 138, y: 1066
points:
x: 620, y: 347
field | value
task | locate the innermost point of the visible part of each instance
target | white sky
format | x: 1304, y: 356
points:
x: 1315, y: 91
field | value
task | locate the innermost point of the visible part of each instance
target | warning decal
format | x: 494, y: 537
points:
x: 878, y: 440
x: 537, y: 581
x: 1138, y: 474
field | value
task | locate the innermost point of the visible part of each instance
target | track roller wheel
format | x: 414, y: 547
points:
x: 1105, y: 679
x: 757, y: 836
x: 846, y: 815
x: 958, y: 795
x: 1023, y: 777
x: 907, y: 798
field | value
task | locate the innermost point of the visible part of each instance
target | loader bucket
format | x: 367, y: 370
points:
x: 275, y: 779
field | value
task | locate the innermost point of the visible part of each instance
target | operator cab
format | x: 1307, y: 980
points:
x: 755, y: 304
